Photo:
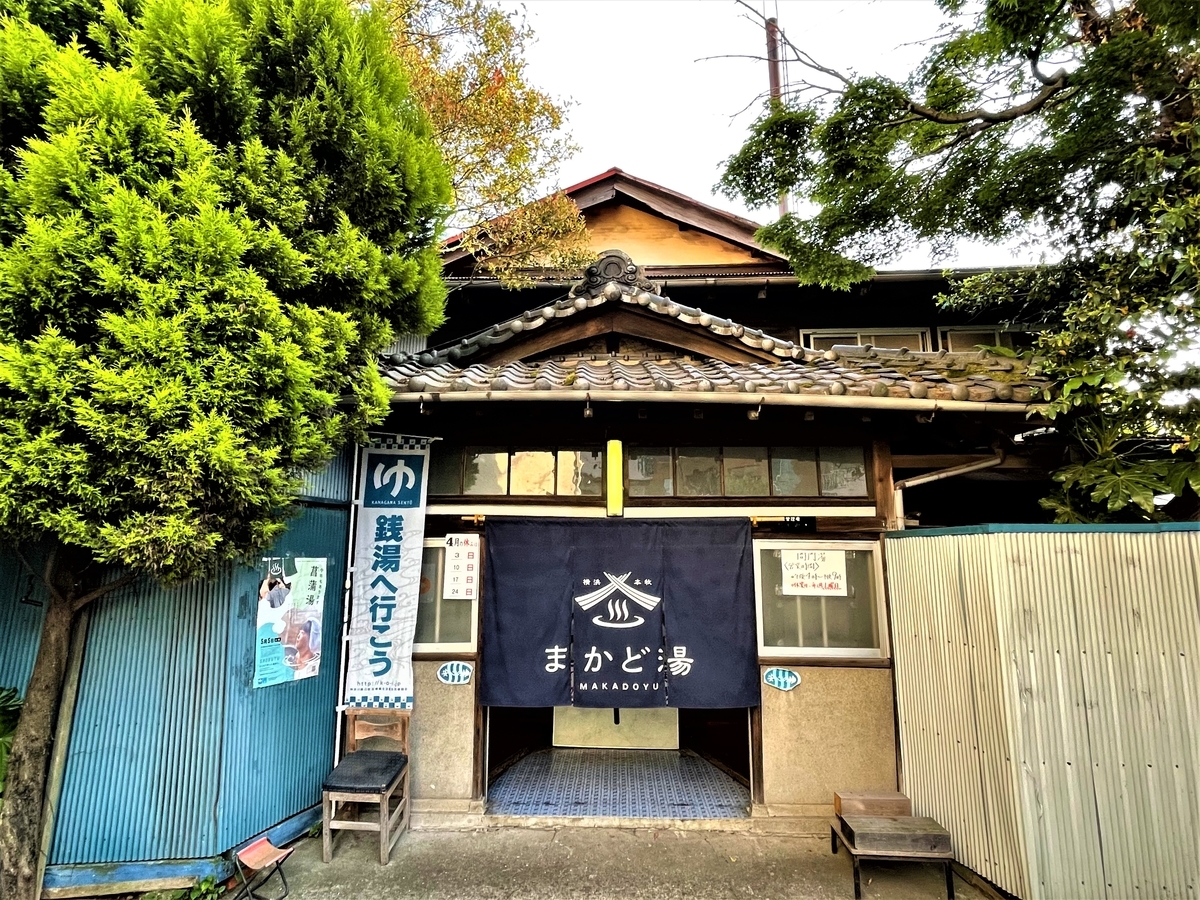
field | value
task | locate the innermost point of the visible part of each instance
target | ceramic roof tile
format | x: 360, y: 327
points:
x: 878, y: 375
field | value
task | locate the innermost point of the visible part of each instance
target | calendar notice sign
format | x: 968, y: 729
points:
x: 461, y: 581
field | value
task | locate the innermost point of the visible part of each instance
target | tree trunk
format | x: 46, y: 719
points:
x: 21, y: 816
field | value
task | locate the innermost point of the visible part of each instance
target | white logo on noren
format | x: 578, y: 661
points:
x: 618, y: 607
x: 399, y: 474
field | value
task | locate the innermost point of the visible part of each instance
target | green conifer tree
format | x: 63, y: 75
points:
x: 213, y: 216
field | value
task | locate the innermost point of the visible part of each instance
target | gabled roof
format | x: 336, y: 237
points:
x: 669, y: 204
x: 616, y: 185
x: 716, y: 356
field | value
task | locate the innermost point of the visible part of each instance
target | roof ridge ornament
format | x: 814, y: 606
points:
x: 613, y: 267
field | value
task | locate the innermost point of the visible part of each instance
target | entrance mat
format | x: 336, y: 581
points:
x: 642, y: 784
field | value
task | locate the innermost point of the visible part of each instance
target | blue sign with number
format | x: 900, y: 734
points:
x: 781, y: 679
x: 455, y: 673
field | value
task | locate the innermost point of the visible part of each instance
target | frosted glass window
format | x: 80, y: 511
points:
x: 650, y: 472
x: 827, y: 341
x: 794, y: 472
x: 531, y: 473
x: 843, y: 472
x: 798, y: 622
x: 913, y: 340
x: 580, y: 473
x: 699, y: 471
x: 430, y: 592
x: 746, y: 472
x: 441, y: 624
x: 485, y: 471
x: 968, y: 341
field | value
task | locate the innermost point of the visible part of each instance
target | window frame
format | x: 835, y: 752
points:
x: 806, y: 335
x: 875, y: 548
x: 1003, y: 334
x: 451, y: 647
x: 766, y: 500
x: 510, y: 449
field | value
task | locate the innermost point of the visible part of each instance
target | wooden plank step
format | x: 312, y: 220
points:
x: 871, y: 803
x: 897, y: 834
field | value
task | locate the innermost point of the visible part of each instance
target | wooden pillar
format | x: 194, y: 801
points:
x: 885, y: 494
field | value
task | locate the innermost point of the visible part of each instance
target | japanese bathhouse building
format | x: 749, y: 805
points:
x: 673, y: 475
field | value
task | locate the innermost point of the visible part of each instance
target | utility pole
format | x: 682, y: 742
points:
x: 773, y: 43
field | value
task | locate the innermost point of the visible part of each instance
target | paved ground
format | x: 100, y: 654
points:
x: 599, y: 864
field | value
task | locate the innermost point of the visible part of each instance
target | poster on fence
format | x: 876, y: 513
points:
x: 389, y: 540
x: 291, y: 603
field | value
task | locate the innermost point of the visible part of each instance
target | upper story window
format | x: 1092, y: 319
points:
x: 509, y: 472
x: 915, y: 339
x: 969, y: 339
x: 746, y: 472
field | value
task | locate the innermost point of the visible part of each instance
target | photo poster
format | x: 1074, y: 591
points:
x: 388, y: 545
x: 814, y: 573
x: 291, y: 604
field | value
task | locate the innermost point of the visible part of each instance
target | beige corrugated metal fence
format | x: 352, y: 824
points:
x: 1046, y: 687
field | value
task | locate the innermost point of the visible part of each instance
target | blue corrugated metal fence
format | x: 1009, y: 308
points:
x: 174, y: 754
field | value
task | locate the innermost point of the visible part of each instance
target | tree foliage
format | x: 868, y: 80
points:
x: 213, y: 215
x: 214, y: 219
x: 501, y: 136
x: 1075, y: 119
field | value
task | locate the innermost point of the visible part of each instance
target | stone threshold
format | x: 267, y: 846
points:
x: 464, y: 815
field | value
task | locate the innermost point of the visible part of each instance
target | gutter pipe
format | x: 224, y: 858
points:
x: 939, y: 475
x: 742, y: 398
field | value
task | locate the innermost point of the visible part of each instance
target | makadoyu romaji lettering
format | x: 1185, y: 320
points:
x: 618, y: 686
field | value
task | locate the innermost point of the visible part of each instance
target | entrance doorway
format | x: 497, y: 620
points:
x: 707, y: 777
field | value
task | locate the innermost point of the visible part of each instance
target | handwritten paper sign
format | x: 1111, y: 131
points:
x: 814, y: 572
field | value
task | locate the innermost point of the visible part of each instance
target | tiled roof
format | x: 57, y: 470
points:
x: 868, y: 377
x: 612, y: 279
x: 844, y: 371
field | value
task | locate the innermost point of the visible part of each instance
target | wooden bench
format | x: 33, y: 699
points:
x: 369, y: 776
x: 871, y: 803
x: 893, y: 839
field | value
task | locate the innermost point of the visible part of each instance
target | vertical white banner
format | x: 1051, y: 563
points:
x: 387, y: 573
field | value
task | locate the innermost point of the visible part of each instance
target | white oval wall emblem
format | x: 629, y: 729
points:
x: 781, y: 679
x: 455, y: 673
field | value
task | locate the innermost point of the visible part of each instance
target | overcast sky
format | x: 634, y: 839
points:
x: 646, y: 100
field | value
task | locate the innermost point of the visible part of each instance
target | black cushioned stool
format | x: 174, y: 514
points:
x: 369, y: 776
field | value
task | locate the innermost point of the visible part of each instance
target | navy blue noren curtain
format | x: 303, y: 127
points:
x: 619, y: 613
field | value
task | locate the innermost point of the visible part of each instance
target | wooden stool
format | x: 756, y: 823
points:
x: 369, y: 776
x: 893, y: 839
